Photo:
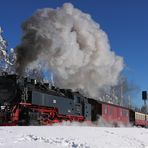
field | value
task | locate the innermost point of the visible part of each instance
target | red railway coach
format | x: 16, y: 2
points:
x: 109, y: 112
x: 115, y: 114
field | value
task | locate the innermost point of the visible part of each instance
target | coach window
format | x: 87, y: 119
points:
x: 105, y: 109
x: 138, y: 116
x: 78, y: 99
x: 121, y: 112
x: 110, y: 110
x: 127, y: 113
x: 124, y: 112
x: 141, y: 117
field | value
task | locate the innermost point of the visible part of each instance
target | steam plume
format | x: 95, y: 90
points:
x: 68, y: 42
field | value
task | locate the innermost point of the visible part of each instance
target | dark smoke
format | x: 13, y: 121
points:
x: 30, y: 48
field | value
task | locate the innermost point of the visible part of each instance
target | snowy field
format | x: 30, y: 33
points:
x: 73, y: 137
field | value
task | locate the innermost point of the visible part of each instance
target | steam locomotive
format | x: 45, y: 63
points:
x: 24, y: 101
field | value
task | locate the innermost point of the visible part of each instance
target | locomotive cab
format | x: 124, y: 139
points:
x: 7, y: 89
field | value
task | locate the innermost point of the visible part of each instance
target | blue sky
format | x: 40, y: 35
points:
x: 125, y: 22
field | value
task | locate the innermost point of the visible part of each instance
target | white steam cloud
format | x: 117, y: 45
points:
x: 68, y: 42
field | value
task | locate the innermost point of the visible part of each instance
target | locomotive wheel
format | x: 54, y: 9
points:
x: 34, y: 118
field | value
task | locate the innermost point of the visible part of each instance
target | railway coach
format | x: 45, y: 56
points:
x: 138, y: 118
x: 110, y: 113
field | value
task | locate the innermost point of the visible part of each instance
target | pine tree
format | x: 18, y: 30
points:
x: 3, y: 45
x: 6, y: 60
x: 3, y: 54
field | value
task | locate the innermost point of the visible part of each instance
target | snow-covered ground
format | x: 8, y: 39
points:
x: 73, y: 137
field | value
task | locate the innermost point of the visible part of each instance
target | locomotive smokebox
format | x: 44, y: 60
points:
x: 144, y: 95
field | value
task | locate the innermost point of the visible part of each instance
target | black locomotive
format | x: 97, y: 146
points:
x: 34, y: 100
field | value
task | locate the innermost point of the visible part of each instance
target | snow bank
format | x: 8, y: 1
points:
x: 72, y: 137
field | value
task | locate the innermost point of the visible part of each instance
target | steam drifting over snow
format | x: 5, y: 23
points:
x: 73, y: 46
